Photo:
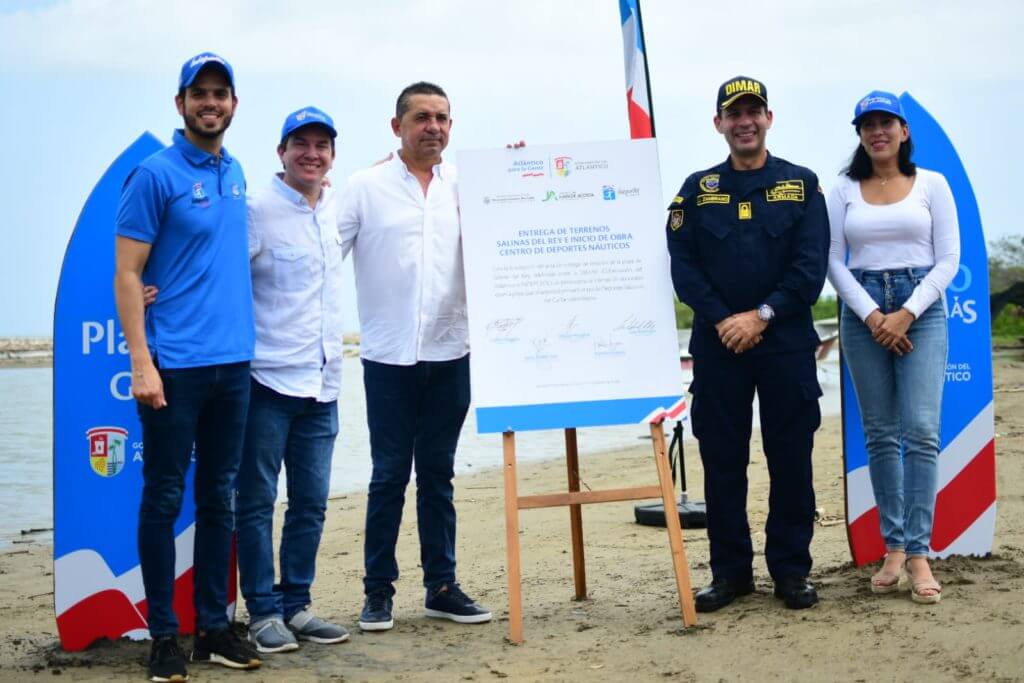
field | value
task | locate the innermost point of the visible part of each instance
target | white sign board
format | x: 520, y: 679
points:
x: 571, y: 320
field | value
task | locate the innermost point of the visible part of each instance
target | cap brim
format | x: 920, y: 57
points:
x: 740, y: 95
x: 330, y: 130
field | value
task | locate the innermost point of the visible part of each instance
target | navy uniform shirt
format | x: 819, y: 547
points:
x: 739, y: 239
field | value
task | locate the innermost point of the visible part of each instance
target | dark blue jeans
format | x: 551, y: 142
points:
x: 415, y: 414
x: 299, y: 432
x: 205, y: 406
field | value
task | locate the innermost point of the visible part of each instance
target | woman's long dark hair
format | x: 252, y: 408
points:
x: 859, y: 167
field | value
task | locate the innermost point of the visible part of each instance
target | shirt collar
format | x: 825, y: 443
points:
x: 439, y: 168
x: 293, y: 196
x: 195, y: 155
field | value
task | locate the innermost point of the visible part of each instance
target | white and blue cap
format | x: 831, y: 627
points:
x: 191, y: 68
x: 878, y: 100
x: 307, y: 116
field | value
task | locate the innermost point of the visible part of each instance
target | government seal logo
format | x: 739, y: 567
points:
x: 107, y: 450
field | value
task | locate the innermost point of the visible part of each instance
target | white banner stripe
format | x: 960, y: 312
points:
x: 967, y: 444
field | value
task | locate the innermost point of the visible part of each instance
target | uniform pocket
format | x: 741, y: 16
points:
x: 291, y: 268
x: 780, y: 221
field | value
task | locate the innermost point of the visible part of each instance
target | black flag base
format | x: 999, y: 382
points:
x: 692, y: 514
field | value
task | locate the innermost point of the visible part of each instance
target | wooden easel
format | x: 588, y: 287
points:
x: 573, y: 499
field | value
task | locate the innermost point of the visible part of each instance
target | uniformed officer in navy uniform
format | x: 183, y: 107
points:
x: 749, y: 245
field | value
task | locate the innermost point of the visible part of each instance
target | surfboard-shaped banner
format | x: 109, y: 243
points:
x: 97, y: 441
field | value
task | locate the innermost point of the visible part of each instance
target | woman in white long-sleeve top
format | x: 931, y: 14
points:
x: 895, y: 248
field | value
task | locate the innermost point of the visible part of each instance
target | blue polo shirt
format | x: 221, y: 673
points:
x: 190, y: 206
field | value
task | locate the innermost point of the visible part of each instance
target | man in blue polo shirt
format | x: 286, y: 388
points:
x: 181, y: 226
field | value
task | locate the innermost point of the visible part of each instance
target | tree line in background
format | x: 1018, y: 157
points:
x: 1006, y: 287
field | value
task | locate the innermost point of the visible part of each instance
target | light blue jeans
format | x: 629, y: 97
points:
x: 900, y: 400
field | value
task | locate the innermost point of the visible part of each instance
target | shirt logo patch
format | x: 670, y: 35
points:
x: 709, y: 183
x: 746, y: 212
x: 675, y: 220
x: 786, y: 191
x: 703, y: 199
x: 235, y: 192
x: 198, y: 193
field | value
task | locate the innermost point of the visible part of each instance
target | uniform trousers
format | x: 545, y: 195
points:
x: 722, y: 412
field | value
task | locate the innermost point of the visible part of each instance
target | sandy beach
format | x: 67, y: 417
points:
x: 629, y: 628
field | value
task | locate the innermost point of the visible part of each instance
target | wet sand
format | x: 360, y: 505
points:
x: 629, y: 628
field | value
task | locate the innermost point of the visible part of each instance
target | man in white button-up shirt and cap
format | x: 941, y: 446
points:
x: 295, y: 253
x: 401, y: 220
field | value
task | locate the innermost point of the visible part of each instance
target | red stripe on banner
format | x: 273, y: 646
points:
x: 106, y: 614
x: 866, y: 542
x: 639, y: 121
x: 184, y: 608
x: 965, y: 498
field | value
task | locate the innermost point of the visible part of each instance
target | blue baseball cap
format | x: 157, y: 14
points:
x: 878, y: 100
x: 191, y: 68
x: 307, y: 116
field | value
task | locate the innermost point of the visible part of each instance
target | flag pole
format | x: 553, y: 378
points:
x: 647, y: 71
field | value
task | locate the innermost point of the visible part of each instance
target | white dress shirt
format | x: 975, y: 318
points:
x: 295, y: 252
x: 407, y: 250
x: 920, y: 230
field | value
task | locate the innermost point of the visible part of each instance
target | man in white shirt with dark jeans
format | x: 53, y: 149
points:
x: 401, y: 220
x: 295, y: 254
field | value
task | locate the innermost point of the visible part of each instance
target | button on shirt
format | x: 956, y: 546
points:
x: 190, y: 206
x: 407, y: 250
x: 295, y: 252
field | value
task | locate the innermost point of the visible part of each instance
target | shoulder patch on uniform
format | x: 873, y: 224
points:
x: 678, y: 199
x: 703, y: 199
x: 675, y: 219
x: 709, y: 183
x: 786, y: 191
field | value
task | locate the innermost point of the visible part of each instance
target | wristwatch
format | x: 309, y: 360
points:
x: 765, y: 313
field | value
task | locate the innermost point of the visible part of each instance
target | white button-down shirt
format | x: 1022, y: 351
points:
x: 295, y: 252
x: 407, y: 250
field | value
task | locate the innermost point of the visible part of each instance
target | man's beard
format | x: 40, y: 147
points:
x: 204, y: 133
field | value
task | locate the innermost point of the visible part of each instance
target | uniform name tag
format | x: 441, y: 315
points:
x: 703, y: 199
x: 786, y: 191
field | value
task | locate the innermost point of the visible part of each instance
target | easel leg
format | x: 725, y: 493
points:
x: 675, y: 532
x: 515, y: 597
x: 579, y: 569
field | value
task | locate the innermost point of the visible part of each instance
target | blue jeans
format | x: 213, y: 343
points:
x: 300, y: 432
x: 205, y: 406
x: 900, y: 400
x: 415, y: 414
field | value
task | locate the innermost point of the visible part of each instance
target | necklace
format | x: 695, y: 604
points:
x: 885, y: 179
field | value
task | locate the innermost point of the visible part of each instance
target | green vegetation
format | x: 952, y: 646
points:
x: 1006, y: 268
x: 824, y: 308
x: 1008, y: 328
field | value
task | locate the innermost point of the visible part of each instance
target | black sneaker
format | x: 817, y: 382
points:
x: 376, y: 614
x: 224, y: 647
x: 449, y: 602
x: 166, y: 660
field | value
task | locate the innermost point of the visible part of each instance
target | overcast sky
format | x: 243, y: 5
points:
x: 81, y: 79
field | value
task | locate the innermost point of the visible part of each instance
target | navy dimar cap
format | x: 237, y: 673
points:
x: 878, y: 100
x: 307, y: 116
x: 191, y: 69
x: 737, y: 87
